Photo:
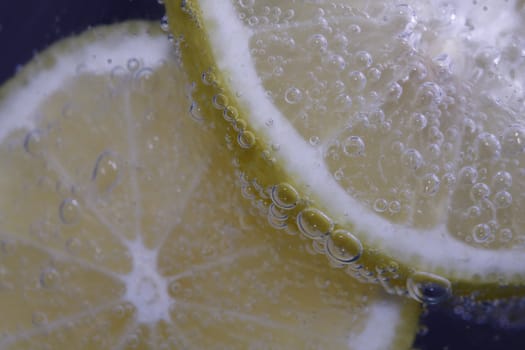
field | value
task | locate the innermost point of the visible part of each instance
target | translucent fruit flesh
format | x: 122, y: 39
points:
x: 122, y: 227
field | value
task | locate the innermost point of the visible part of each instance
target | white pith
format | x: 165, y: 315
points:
x: 433, y: 250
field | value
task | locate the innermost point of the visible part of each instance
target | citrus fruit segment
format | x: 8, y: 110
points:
x: 121, y: 227
x: 390, y: 134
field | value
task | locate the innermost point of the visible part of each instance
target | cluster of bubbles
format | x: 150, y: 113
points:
x: 402, y: 129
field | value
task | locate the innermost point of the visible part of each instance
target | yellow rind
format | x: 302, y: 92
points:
x: 259, y: 171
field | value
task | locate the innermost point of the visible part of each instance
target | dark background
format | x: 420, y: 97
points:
x: 27, y: 27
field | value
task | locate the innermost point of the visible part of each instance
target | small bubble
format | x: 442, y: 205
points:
x: 479, y: 191
x: 220, y: 101
x: 487, y: 145
x: 502, y: 199
x: 314, y: 140
x: 430, y: 184
x: 106, y: 173
x: 418, y: 121
x: 343, y: 246
x: 293, y: 95
x: 380, y: 205
x: 467, y: 175
x: 69, y: 211
x: 429, y: 93
x: 343, y: 102
x: 49, y: 278
x: 339, y: 174
x: 394, y: 92
x: 428, y: 288
x: 363, y: 59
x: 314, y: 224
x: 357, y: 81
x: 230, y: 114
x: 208, y: 78
x: 34, y: 142
x: 318, y: 42
x: 502, y: 180
x: 505, y: 234
x: 335, y: 63
x: 394, y: 207
x: 246, y: 139
x: 412, y: 159
x: 133, y: 64
x: 195, y: 112
x: 284, y: 196
x: 353, y: 146
x: 514, y: 140
x: 481, y: 233
x: 164, y: 25
x: 246, y: 3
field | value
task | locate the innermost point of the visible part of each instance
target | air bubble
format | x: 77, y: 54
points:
x: 106, y: 173
x: 246, y: 3
x: 430, y: 184
x: 418, y: 121
x: 318, y: 42
x: 412, y: 159
x: 467, y: 175
x: 314, y: 140
x: 164, y: 25
x: 380, y: 205
x: 69, y: 211
x: 502, y: 199
x: 314, y: 224
x: 246, y: 139
x: 481, y: 233
x: 33, y: 142
x: 293, y: 95
x: 394, y: 207
x: 363, y: 59
x: 344, y: 247
x: 514, y: 140
x: 353, y: 146
x: 49, y: 278
x: 394, y: 92
x: 284, y: 196
x: 335, y: 63
x: 357, y: 81
x: 502, y: 180
x: 220, y: 101
x: 479, y: 191
x: 195, y: 112
x: 133, y: 64
x: 487, y: 145
x: 429, y: 288
x: 208, y: 78
x: 429, y: 94
x: 230, y: 114
x: 343, y: 102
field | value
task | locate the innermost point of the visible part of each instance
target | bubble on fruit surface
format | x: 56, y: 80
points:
x: 133, y: 64
x: 34, y: 142
x: 412, y: 159
x: 49, y: 278
x: 380, y: 205
x: 357, y: 81
x: 428, y: 288
x: 418, y: 121
x: 353, y: 146
x: 514, y: 140
x: 487, y: 145
x: 430, y: 184
x: 343, y: 246
x: 317, y: 43
x: 69, y: 211
x: 501, y: 180
x: 284, y: 196
x: 481, y: 233
x: 314, y: 224
x: 479, y: 191
x: 293, y: 95
x: 106, y: 172
x: 502, y: 199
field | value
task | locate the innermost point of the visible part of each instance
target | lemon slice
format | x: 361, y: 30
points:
x: 121, y: 227
x: 391, y: 134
